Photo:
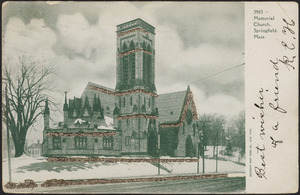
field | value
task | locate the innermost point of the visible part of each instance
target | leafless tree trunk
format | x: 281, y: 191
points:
x: 236, y: 130
x: 216, y: 123
x: 28, y: 85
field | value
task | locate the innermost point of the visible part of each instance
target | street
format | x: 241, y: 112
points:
x: 236, y: 184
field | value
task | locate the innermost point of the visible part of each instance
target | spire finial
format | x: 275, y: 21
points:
x: 65, y: 97
x: 66, y: 103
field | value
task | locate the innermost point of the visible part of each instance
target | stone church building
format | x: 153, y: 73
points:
x: 131, y: 119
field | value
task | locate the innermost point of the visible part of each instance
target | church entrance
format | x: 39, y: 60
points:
x: 152, y: 143
x: 189, y: 149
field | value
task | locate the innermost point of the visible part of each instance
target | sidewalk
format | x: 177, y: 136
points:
x: 66, y: 184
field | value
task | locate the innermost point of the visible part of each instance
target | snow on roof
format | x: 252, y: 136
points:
x: 109, y: 121
x: 57, y: 125
x: 104, y: 127
x: 80, y: 121
x: 109, y: 124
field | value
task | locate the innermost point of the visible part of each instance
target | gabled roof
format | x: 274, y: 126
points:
x: 170, y: 106
x: 105, y: 94
x: 100, y: 86
x: 173, y: 108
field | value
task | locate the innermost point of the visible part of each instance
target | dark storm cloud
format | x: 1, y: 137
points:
x: 217, y: 23
x: 193, y: 40
x: 27, y: 11
x: 42, y: 10
x: 61, y: 49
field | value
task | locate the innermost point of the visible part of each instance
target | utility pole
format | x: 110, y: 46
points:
x: 198, y: 158
x: 203, y: 157
x: 158, y: 145
x: 8, y: 141
x: 202, y: 142
x: 217, y: 151
x: 201, y: 148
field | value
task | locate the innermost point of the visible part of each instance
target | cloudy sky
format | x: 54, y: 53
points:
x: 193, y: 41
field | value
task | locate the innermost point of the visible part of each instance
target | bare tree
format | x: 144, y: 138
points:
x: 236, y: 131
x: 213, y: 129
x: 29, y: 83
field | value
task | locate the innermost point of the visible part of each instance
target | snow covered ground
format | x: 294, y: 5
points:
x: 234, y: 158
x: 39, y: 170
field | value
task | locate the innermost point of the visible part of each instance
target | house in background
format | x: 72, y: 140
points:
x: 34, y: 150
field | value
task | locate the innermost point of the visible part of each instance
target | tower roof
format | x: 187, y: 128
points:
x: 135, y: 23
x: 66, y: 108
x: 46, y: 111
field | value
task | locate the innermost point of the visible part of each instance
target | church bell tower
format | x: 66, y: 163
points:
x: 135, y: 85
x: 135, y: 56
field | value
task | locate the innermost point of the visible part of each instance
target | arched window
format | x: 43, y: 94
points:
x: 131, y: 45
x: 124, y: 49
x: 125, y: 68
x: 108, y: 143
x: 149, y: 68
x: 127, y: 140
x: 130, y: 101
x: 131, y: 58
x: 149, y: 48
x: 124, y: 101
x: 80, y: 142
x: 56, y: 142
x: 144, y: 45
x: 132, y: 66
x: 145, y: 68
x: 149, y: 103
x: 194, y: 129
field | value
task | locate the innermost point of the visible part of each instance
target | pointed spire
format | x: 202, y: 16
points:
x: 116, y: 111
x: 102, y: 112
x: 86, y: 106
x: 95, y: 103
x: 66, y: 108
x: 86, y: 102
x: 46, y: 111
x: 65, y: 97
x: 99, y: 103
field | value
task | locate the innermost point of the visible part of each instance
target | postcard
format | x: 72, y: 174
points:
x: 150, y: 97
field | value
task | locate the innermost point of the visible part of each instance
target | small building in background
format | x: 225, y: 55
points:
x: 34, y: 150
